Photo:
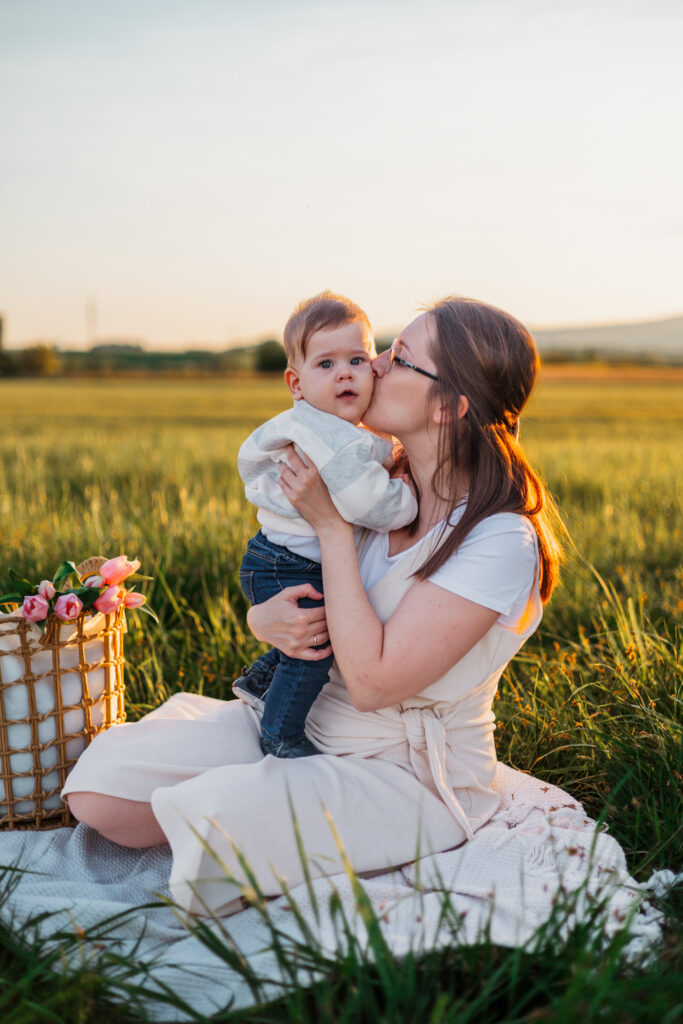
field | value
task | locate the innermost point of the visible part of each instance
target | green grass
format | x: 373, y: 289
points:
x: 592, y: 704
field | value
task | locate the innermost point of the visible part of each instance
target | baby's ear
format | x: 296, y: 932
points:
x: 293, y: 382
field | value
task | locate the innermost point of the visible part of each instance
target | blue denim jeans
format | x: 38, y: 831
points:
x: 266, y: 570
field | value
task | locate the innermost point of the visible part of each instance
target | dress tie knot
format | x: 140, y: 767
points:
x: 426, y: 735
x: 413, y: 722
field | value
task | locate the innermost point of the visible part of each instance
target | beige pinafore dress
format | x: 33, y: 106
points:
x: 396, y: 784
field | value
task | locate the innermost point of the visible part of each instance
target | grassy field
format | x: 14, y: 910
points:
x: 593, y: 703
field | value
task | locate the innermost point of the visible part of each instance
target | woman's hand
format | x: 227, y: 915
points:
x: 295, y: 631
x: 302, y: 484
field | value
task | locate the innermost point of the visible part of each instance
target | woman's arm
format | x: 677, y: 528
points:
x: 382, y: 664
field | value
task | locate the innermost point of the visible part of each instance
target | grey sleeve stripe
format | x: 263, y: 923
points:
x: 395, y: 508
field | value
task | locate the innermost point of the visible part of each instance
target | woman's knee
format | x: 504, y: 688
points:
x: 126, y: 822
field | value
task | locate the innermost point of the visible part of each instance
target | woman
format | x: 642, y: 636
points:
x: 422, y: 623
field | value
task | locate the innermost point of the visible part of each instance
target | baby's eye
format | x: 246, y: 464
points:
x: 357, y: 360
x: 326, y: 363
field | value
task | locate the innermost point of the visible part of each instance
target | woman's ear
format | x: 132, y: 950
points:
x: 443, y: 413
x: 293, y: 382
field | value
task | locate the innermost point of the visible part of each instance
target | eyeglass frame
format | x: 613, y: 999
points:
x: 393, y: 358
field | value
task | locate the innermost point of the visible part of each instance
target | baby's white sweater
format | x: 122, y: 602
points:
x: 349, y: 459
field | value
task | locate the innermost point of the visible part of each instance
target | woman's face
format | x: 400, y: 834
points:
x: 399, y: 403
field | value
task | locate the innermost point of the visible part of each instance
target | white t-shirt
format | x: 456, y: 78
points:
x: 495, y: 566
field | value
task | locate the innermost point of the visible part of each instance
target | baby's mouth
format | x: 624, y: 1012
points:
x: 347, y: 394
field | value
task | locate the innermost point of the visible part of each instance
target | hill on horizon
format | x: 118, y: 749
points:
x: 656, y: 338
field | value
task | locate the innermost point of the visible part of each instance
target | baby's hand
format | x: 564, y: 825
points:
x: 408, y: 480
x: 399, y: 469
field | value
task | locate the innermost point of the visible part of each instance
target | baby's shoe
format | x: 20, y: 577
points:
x: 252, y: 685
x: 301, y: 747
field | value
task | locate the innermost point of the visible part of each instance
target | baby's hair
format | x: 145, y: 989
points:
x: 317, y: 314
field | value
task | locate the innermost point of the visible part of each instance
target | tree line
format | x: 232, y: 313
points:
x: 42, y: 360
x: 268, y: 357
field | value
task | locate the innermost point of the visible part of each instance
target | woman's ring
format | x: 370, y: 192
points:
x: 315, y: 640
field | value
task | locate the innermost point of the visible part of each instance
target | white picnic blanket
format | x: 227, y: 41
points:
x: 539, y: 847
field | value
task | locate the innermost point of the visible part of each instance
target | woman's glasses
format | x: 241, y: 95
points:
x: 394, y: 358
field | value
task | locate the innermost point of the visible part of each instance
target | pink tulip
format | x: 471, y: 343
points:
x: 35, y: 608
x: 110, y: 600
x: 116, y: 570
x: 68, y: 607
x: 134, y: 600
x: 46, y: 590
x: 94, y: 581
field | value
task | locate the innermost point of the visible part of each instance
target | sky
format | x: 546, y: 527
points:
x: 183, y: 172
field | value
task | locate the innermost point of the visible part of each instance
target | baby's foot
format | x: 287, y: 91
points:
x: 252, y: 685
x: 301, y: 747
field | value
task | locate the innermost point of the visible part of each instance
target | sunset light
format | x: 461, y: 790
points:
x: 184, y: 173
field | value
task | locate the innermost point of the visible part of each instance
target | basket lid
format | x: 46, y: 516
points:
x: 91, y: 566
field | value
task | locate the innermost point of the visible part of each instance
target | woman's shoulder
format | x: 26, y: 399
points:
x: 496, y: 563
x: 502, y: 524
x: 506, y: 537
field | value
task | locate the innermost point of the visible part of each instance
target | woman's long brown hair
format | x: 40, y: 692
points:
x: 483, y: 353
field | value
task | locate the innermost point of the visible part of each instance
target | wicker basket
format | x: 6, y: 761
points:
x: 57, y: 691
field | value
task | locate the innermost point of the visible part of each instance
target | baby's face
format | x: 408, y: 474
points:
x: 336, y: 375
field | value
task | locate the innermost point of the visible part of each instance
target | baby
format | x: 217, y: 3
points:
x: 329, y: 346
